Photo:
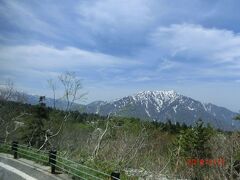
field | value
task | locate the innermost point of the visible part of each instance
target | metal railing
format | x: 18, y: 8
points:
x: 51, y: 158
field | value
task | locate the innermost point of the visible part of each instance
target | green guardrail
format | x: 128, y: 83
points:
x: 57, y: 163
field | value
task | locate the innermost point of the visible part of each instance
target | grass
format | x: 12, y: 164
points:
x: 4, y: 148
x: 34, y: 155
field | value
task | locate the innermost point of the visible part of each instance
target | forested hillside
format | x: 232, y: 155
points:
x: 133, y: 147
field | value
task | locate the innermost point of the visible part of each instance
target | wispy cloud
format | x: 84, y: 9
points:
x: 197, y: 48
x: 138, y: 43
x: 48, y: 57
x: 195, y: 40
x: 114, y: 16
x: 41, y: 62
x: 19, y: 14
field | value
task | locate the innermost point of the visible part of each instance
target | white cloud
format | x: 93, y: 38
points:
x: 46, y: 57
x: 112, y: 16
x: 17, y: 13
x: 197, y: 42
x: 193, y: 51
x: 31, y: 65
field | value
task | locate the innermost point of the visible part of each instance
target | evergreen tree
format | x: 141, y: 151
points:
x: 201, y: 136
x: 168, y: 125
x: 178, y: 127
x: 193, y: 142
x: 237, y: 117
x: 184, y: 126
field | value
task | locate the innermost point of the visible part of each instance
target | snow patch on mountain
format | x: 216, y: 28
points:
x: 164, y: 105
x: 175, y: 108
x: 191, y: 109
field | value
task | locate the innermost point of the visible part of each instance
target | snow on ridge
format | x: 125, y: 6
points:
x: 163, y: 95
x: 175, y: 108
x: 205, y: 107
x: 156, y: 92
x: 159, y: 99
x: 191, y: 109
x: 144, y: 96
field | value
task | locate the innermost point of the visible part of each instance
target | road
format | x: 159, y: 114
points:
x: 21, y: 169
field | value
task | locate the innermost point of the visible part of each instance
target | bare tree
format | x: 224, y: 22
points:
x: 113, y: 143
x: 100, y: 138
x: 7, y: 90
x: 226, y: 146
x: 10, y: 120
x: 52, y: 84
x: 9, y: 93
x: 72, y: 86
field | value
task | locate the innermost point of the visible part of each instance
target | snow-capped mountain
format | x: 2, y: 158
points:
x: 156, y: 106
x: 163, y: 106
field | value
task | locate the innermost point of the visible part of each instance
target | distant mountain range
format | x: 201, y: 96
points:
x: 59, y: 103
x: 158, y: 106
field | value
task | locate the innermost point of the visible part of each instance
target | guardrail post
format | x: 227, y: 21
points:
x: 52, y: 160
x: 115, y: 175
x: 15, y: 149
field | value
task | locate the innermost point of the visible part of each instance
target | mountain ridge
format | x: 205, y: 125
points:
x: 163, y: 105
x: 157, y: 106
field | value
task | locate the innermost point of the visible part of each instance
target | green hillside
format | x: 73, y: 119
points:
x: 136, y: 148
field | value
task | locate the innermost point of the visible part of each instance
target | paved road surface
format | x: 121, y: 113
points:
x: 21, y: 169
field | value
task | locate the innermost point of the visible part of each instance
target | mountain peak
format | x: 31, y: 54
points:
x: 163, y: 92
x: 163, y: 95
x: 162, y: 105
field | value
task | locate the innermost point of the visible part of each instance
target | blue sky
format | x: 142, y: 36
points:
x: 120, y: 47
